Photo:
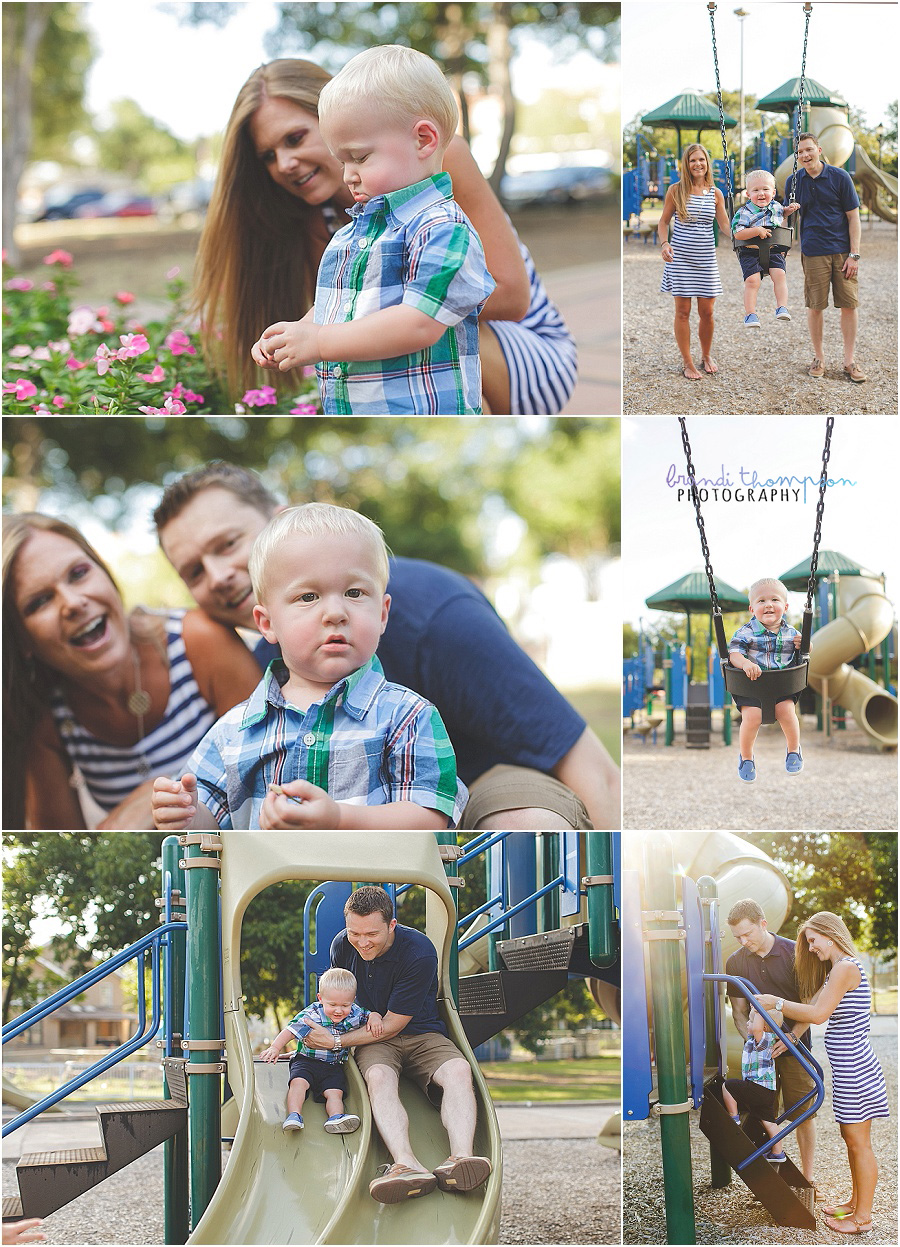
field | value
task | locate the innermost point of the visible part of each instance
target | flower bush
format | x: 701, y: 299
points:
x: 61, y: 358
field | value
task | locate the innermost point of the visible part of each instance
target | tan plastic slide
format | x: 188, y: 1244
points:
x: 866, y: 618
x: 309, y: 1186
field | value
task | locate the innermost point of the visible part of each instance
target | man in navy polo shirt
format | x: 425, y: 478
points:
x: 829, y: 240
x: 767, y: 961
x: 396, y: 971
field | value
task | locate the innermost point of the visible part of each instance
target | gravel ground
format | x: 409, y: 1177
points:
x: 732, y: 1215
x: 846, y: 784
x: 761, y: 371
x: 554, y: 1191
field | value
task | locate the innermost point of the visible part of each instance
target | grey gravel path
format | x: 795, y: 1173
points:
x: 761, y: 371
x: 732, y: 1215
x: 845, y: 785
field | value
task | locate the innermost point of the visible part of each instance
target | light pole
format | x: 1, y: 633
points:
x: 740, y: 14
x: 879, y: 134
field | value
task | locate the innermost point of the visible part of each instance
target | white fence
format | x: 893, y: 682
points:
x: 127, y: 1081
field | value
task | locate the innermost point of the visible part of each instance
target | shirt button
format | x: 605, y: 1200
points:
x: 309, y: 738
x: 337, y: 371
x: 363, y: 242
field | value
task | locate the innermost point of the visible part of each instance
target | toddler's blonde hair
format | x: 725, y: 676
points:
x: 315, y: 519
x: 765, y: 582
x: 337, y: 980
x: 398, y: 82
x: 759, y: 175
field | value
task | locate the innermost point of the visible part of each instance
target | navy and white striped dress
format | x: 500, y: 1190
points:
x: 694, y: 272
x: 540, y: 353
x: 112, y: 772
x: 857, y: 1083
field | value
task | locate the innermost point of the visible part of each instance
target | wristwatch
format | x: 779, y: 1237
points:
x: 336, y: 1046
x: 779, y: 1004
x: 854, y: 255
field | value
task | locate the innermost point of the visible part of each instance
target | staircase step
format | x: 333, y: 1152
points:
x: 481, y: 994
x: 65, y: 1156
x: 12, y: 1208
x: 551, y: 950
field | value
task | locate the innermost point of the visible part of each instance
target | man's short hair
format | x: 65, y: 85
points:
x: 758, y: 175
x: 749, y: 910
x: 806, y: 135
x: 368, y: 900
x: 315, y: 519
x: 244, y: 484
x: 338, y: 980
x: 396, y: 82
x: 767, y: 580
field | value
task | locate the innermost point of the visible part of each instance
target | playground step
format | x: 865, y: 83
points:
x: 48, y: 1180
x: 550, y: 950
x: 12, y: 1208
x: 784, y: 1191
x: 488, y: 1003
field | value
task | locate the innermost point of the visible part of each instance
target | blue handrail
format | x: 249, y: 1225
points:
x: 151, y: 943
x: 511, y: 913
x: 809, y: 1063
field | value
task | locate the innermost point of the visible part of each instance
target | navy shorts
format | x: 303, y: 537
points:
x: 753, y: 1098
x: 322, y: 1076
x: 751, y: 701
x: 749, y: 261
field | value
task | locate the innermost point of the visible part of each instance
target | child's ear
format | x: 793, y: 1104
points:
x: 426, y: 137
x: 264, y: 623
x: 385, y: 611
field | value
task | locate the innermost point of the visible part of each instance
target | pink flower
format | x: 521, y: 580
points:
x: 49, y: 286
x: 179, y: 343
x: 22, y: 389
x: 133, y: 345
x: 59, y: 257
x: 103, y: 359
x: 81, y: 321
x: 303, y: 409
x: 73, y: 364
x: 309, y: 370
x: 261, y: 397
x: 20, y: 350
x: 58, y: 401
x: 124, y: 297
x: 173, y: 273
x: 190, y: 397
x: 41, y: 353
x: 172, y: 408
x: 158, y: 374
x: 19, y: 283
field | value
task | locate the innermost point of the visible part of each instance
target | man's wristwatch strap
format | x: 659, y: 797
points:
x: 854, y: 255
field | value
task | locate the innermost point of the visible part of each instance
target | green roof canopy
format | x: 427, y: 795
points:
x: 830, y: 562
x: 690, y: 595
x: 786, y: 97
x: 688, y: 110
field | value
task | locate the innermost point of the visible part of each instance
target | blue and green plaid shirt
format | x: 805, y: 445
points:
x: 413, y: 247
x: 757, y: 1061
x: 769, y: 650
x: 366, y: 742
x: 314, y: 1013
x: 749, y: 214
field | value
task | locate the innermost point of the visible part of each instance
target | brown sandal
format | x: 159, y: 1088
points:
x: 842, y: 1225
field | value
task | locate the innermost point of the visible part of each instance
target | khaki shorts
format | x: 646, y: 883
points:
x: 416, y: 1056
x: 521, y: 788
x: 822, y: 273
x: 793, y: 1082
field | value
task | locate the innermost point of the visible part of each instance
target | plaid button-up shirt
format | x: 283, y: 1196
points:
x: 366, y: 742
x: 749, y: 214
x: 413, y: 247
x: 314, y: 1013
x: 757, y: 1062
x: 769, y: 650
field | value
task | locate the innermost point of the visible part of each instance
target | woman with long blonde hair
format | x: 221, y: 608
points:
x: 278, y: 198
x: 691, y: 269
x: 94, y: 697
x: 834, y: 988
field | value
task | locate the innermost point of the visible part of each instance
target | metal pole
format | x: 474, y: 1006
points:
x: 205, y: 1089
x: 602, y: 942
x: 740, y: 14
x: 548, y: 906
x: 670, y: 713
x: 176, y: 1151
x: 720, y: 1170
x: 521, y: 866
x: 668, y: 1040
x: 450, y: 838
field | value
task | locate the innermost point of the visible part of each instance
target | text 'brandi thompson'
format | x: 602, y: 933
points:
x: 747, y: 485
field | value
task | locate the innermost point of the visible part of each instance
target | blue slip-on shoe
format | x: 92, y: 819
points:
x: 342, y: 1123
x: 751, y: 321
x: 747, y: 770
x: 793, y: 764
x: 781, y: 313
x: 293, y: 1121
x: 776, y: 1160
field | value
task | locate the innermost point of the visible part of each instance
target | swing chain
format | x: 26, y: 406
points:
x: 820, y: 509
x: 793, y: 198
x: 714, y: 597
x: 712, y: 22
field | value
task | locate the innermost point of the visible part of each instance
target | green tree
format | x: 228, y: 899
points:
x: 569, y: 1009
x: 142, y: 148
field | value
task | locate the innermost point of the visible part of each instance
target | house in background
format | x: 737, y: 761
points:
x: 100, y: 1018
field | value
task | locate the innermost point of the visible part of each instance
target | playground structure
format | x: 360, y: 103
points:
x: 543, y: 922
x: 677, y: 1054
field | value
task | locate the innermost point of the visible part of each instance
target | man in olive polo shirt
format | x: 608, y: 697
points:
x: 830, y: 234
x: 767, y: 961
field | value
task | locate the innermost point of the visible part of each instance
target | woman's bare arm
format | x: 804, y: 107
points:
x: 225, y: 670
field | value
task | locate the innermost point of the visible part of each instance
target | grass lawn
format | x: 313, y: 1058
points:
x: 601, y: 707
x: 593, y: 1078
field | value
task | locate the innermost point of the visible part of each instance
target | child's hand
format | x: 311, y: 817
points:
x: 762, y: 232
x: 174, y: 802
x: 797, y: 640
x: 312, y: 808
x: 288, y: 344
x: 791, y: 208
x: 272, y: 1053
x: 375, y: 1024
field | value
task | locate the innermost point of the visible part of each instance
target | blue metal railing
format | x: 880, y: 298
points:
x: 151, y: 944
x: 809, y: 1063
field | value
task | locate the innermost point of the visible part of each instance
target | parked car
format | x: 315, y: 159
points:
x: 118, y: 203
x: 185, y: 199
x: 67, y: 206
x: 563, y: 185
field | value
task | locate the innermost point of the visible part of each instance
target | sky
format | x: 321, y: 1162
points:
x: 188, y: 76
x: 748, y: 541
x: 667, y: 49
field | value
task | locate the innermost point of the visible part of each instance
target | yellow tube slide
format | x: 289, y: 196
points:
x: 835, y: 137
